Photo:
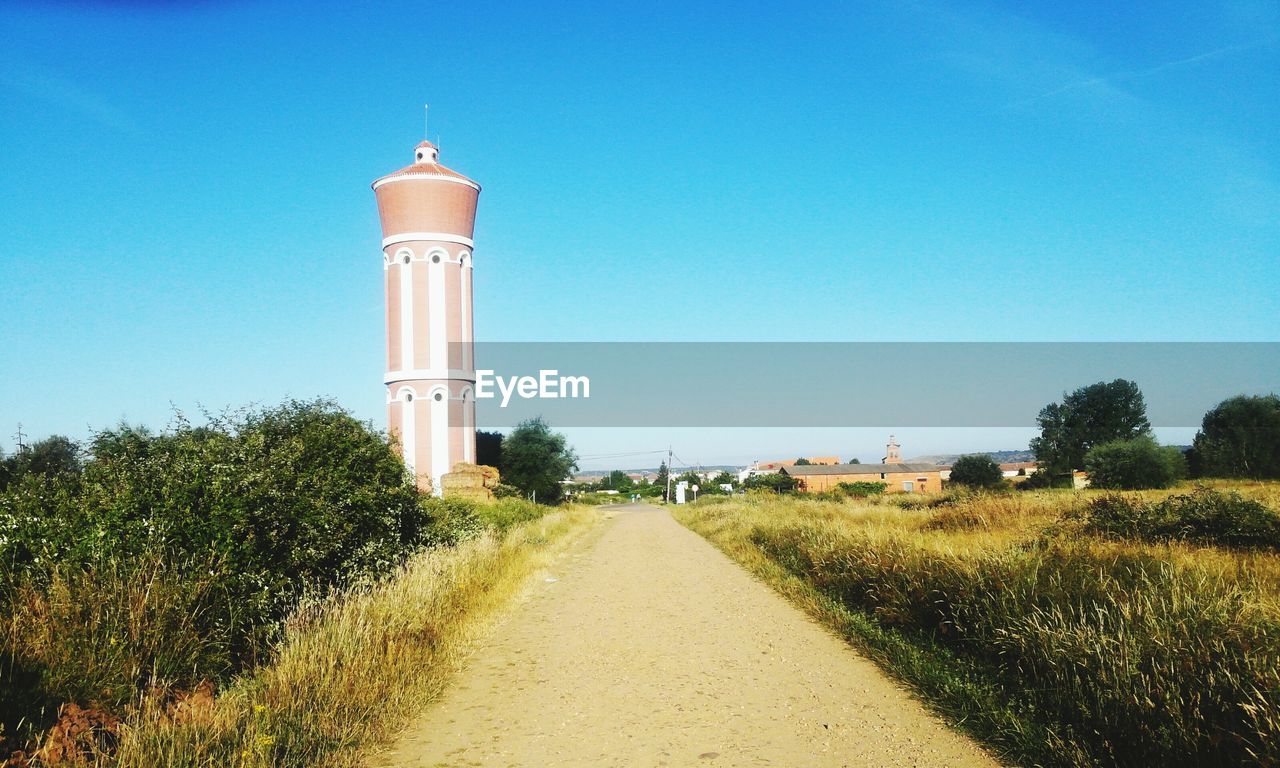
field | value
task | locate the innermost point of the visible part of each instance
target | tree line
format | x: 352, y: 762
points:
x: 1103, y: 429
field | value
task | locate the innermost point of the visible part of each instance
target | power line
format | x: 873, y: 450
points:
x: 621, y: 455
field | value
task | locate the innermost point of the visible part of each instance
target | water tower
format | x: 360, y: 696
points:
x: 428, y: 216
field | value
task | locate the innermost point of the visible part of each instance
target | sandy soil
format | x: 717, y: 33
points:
x: 648, y: 648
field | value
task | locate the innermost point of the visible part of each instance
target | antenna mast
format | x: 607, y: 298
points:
x: 426, y: 120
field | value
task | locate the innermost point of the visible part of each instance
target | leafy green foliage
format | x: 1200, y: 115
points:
x: 51, y: 457
x: 802, y: 462
x: 1204, y: 516
x: 536, y: 460
x: 618, y: 481
x: 775, y: 482
x: 1092, y: 415
x: 456, y: 520
x: 976, y: 470
x: 1134, y: 465
x: 862, y: 488
x: 1240, y: 437
x: 1043, y: 479
x: 688, y: 476
x: 210, y: 532
x: 505, y: 491
x: 489, y: 449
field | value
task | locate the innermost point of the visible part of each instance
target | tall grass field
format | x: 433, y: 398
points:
x: 1063, y: 628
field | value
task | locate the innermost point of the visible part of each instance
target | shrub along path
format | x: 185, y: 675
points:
x: 653, y: 648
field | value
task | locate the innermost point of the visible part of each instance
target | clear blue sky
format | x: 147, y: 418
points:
x: 186, y: 215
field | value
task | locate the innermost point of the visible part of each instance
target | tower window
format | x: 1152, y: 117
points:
x: 406, y: 258
x: 439, y: 396
x: 435, y: 259
x: 408, y: 398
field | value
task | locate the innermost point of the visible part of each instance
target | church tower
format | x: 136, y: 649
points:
x: 892, y: 452
x: 428, y: 218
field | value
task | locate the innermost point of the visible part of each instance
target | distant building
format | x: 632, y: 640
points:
x: 1019, y: 468
x: 897, y: 475
x: 772, y: 467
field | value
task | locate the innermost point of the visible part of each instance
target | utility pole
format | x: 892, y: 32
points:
x: 668, y: 496
x: 20, y: 437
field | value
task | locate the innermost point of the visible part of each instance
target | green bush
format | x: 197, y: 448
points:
x: 537, y: 460
x: 1204, y: 516
x: 53, y: 456
x: 775, y: 482
x: 506, y: 513
x: 862, y: 488
x: 506, y: 491
x: 452, y: 520
x: 1134, y: 465
x: 245, y: 515
x: 977, y: 470
x: 1240, y: 437
x: 1044, y: 479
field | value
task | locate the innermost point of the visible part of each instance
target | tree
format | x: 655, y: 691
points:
x: 1134, y: 464
x: 724, y: 478
x: 536, y: 460
x: 976, y: 470
x: 1092, y: 415
x: 54, y: 456
x: 854, y: 460
x: 51, y: 457
x: 802, y: 462
x: 1240, y: 437
x: 778, y: 483
x: 690, y: 477
x: 661, y: 480
x: 619, y: 481
x: 489, y: 449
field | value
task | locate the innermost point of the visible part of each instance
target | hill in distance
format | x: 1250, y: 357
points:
x: 1000, y: 457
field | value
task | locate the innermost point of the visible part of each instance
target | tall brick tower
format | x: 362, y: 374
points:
x: 428, y: 217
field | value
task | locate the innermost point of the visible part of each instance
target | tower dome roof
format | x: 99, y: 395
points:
x: 426, y: 163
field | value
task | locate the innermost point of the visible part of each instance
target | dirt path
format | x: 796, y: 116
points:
x: 651, y: 648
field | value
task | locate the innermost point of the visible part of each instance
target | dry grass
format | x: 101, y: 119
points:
x: 1058, y: 647
x: 352, y: 669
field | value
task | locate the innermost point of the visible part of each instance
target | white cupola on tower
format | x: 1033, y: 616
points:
x: 426, y: 152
